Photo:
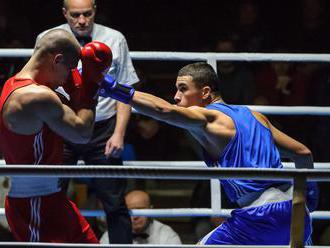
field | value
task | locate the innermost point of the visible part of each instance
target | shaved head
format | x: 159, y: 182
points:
x: 66, y: 3
x: 58, y: 41
x: 137, y: 199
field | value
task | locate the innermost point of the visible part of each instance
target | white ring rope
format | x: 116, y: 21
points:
x: 163, y: 172
x: 180, y: 212
x: 211, y: 57
x: 201, y: 164
x: 247, y: 57
x: 197, y: 56
x: 292, y: 110
x: 287, y: 110
x: 190, y: 164
x: 186, y: 212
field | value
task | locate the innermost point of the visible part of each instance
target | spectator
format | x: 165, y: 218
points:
x: 249, y: 33
x: 107, y: 143
x: 12, y: 36
x: 285, y: 84
x: 320, y: 96
x: 282, y: 83
x: 311, y: 34
x: 236, y: 79
x: 146, y: 230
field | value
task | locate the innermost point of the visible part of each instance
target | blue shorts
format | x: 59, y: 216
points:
x: 268, y: 224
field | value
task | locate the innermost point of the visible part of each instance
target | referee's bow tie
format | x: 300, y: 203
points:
x: 84, y: 40
x: 140, y: 235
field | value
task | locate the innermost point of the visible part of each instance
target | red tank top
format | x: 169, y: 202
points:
x: 45, y: 147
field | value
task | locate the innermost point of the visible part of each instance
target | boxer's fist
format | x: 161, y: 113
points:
x: 79, y: 93
x: 96, y: 58
x: 109, y: 87
x: 73, y: 82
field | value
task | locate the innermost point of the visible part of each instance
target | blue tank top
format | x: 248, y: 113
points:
x: 251, y: 147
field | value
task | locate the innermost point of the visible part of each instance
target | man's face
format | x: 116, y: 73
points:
x: 139, y: 223
x: 80, y: 16
x: 62, y: 69
x: 187, y: 94
x: 225, y: 67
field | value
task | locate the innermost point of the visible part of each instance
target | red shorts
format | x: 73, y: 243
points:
x: 52, y: 218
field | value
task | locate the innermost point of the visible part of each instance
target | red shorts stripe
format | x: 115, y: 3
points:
x: 52, y: 218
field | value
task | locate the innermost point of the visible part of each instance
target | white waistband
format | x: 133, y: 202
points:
x: 272, y: 195
x: 33, y: 186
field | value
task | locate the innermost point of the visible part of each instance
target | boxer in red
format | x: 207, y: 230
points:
x: 33, y: 121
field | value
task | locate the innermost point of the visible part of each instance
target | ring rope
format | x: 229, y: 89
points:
x: 189, y: 164
x: 195, y: 56
x: 247, y: 57
x: 292, y: 110
x: 180, y: 212
x: 201, y: 164
x: 177, y: 56
x: 186, y: 212
x: 162, y: 173
x: 174, y: 173
x: 286, y: 110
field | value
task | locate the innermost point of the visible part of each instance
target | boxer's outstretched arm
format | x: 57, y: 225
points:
x: 187, y: 118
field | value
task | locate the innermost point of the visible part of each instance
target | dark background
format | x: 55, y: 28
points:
x: 181, y: 25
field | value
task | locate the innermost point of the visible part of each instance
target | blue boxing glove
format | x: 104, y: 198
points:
x: 111, y: 88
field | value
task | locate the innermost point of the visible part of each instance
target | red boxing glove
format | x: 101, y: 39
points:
x: 96, y: 58
x: 73, y: 83
x: 80, y: 95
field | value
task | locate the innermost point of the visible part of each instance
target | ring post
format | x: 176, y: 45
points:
x: 298, y: 212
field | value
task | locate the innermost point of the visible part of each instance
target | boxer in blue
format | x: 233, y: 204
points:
x: 231, y: 136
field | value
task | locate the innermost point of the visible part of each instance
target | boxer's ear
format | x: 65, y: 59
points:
x: 58, y: 58
x: 206, y: 92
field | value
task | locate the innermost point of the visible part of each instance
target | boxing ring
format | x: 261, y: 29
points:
x: 194, y: 170
x: 7, y: 244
